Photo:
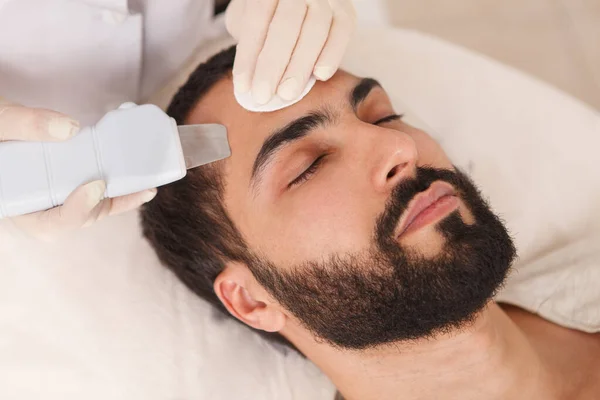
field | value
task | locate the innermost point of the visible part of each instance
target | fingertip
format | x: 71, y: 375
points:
x: 149, y: 195
x: 289, y: 89
x: 62, y: 128
x: 262, y: 92
x: 94, y: 193
x: 323, y: 73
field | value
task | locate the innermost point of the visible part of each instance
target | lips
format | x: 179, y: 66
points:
x: 438, y: 192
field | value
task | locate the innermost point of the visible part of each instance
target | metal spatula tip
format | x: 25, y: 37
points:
x: 203, y: 144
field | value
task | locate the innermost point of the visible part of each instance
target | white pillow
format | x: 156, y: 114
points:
x: 96, y: 317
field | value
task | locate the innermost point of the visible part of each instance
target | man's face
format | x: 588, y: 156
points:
x: 327, y: 195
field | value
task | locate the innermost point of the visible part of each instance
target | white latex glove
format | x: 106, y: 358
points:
x: 85, y: 205
x: 282, y: 42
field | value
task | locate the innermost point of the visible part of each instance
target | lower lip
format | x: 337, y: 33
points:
x: 444, y: 206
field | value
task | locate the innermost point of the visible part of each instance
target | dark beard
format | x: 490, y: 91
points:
x: 390, y: 293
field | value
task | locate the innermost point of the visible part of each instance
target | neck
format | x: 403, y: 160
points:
x: 490, y: 359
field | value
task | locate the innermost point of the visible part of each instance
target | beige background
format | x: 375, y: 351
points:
x: 557, y: 41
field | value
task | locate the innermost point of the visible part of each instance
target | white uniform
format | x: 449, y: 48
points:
x: 85, y: 57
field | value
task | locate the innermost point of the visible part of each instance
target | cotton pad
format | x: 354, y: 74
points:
x: 276, y: 103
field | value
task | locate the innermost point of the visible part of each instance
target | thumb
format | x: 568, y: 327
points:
x: 34, y: 124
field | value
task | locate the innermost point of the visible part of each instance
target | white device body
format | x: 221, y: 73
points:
x: 131, y: 148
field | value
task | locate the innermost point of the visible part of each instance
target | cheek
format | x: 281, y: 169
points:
x: 325, y: 217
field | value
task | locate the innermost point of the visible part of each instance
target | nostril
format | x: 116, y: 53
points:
x: 395, y: 171
x: 392, y: 172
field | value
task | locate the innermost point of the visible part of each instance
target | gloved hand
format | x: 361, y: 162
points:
x: 85, y: 205
x: 282, y: 42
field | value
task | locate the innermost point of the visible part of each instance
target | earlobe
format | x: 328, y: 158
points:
x: 247, y: 301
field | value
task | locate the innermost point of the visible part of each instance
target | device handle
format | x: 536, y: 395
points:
x: 132, y: 149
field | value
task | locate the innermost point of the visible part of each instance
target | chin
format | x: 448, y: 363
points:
x: 427, y: 242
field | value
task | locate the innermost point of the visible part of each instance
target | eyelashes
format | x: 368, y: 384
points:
x: 312, y: 169
x: 393, y: 117
x: 308, y: 172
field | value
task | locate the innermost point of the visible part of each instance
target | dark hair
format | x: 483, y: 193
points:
x: 187, y: 223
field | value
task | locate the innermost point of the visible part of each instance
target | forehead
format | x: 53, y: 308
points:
x: 247, y: 130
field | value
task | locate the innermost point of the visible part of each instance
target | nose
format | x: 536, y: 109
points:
x: 395, y: 159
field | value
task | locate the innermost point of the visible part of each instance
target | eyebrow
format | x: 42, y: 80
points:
x: 301, y: 127
x: 361, y: 91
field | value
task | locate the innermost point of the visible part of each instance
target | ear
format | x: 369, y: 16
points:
x: 247, y: 300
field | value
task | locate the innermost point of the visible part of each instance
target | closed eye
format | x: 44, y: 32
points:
x: 393, y: 117
x: 308, y: 172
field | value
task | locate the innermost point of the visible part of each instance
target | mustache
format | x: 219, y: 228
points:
x: 406, y: 190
